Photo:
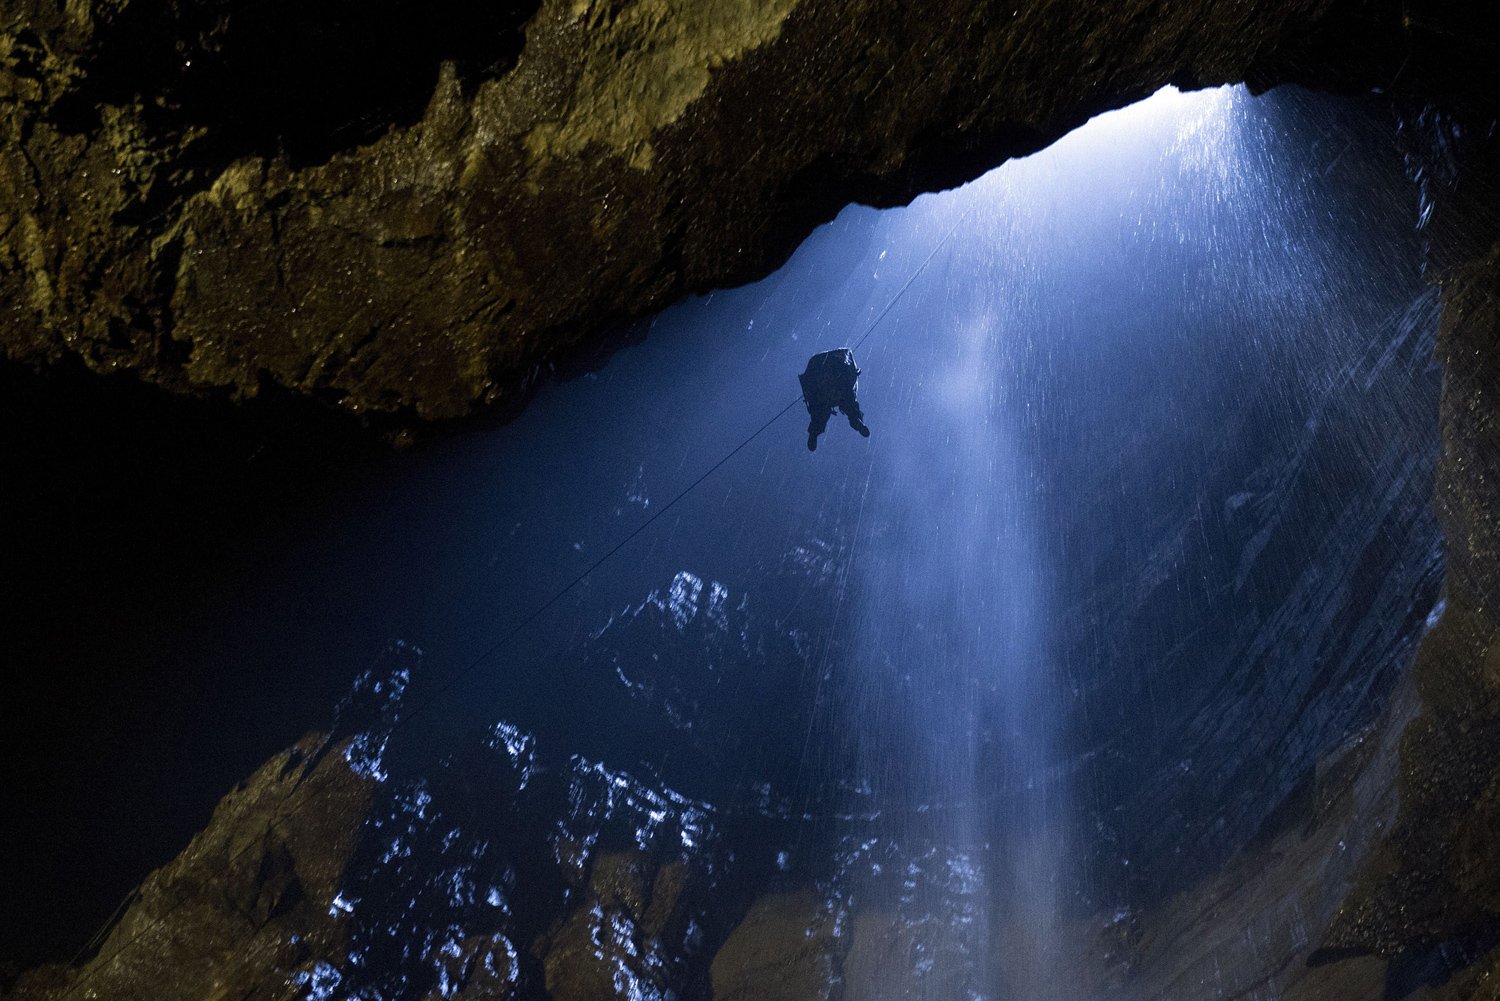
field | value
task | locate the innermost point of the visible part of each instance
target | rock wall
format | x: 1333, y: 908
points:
x: 203, y: 197
x: 417, y: 222
x: 1436, y: 883
x: 247, y: 909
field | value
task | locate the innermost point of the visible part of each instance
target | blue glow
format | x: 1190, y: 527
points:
x: 1154, y: 426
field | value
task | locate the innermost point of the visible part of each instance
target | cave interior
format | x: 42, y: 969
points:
x: 413, y: 590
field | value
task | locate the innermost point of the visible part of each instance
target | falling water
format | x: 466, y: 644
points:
x: 952, y: 693
x: 919, y: 674
x: 1099, y: 340
x: 1139, y: 535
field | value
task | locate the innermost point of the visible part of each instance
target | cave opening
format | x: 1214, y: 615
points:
x: 1138, y: 550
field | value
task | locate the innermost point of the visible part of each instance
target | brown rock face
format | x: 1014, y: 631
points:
x: 222, y: 202
x: 246, y: 909
x: 416, y: 216
x: 627, y: 937
x: 883, y: 951
x: 784, y: 950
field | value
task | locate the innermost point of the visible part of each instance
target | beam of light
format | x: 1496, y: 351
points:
x: 957, y: 693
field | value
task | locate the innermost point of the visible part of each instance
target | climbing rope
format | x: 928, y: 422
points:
x: 542, y: 609
x: 914, y: 276
x: 442, y: 689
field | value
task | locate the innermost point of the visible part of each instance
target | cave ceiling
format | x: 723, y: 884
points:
x: 416, y: 214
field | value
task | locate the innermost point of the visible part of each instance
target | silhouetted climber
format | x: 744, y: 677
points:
x: 828, y: 385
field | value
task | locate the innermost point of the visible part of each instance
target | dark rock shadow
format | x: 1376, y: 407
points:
x: 306, y: 79
x: 1433, y: 967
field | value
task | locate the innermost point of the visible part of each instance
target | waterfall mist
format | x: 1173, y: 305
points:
x: 1140, y: 536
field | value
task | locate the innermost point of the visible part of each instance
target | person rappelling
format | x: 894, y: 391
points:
x: 829, y: 384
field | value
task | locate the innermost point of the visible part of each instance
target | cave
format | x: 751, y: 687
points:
x: 420, y: 585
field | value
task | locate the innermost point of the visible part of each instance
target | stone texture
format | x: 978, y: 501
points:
x: 1427, y: 898
x: 629, y: 935
x: 486, y: 968
x: 213, y: 223
x: 904, y: 961
x: 1249, y: 930
x: 1435, y: 882
x: 784, y: 950
x: 246, y: 910
x: 484, y: 220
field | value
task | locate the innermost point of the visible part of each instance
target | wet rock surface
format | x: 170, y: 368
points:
x: 1425, y: 900
x: 247, y: 909
x: 418, y: 217
x: 1250, y: 930
x: 783, y: 950
x: 631, y: 933
x: 1432, y: 887
x: 477, y: 230
x: 507, y: 868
